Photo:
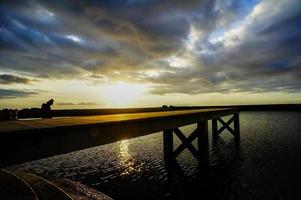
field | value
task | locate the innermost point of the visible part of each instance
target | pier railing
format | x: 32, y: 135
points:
x: 25, y: 140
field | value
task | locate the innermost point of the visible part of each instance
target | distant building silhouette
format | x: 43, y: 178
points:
x: 46, y: 109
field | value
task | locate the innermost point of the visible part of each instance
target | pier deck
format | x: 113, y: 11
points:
x: 25, y: 140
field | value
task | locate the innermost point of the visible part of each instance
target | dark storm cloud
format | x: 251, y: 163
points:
x: 268, y: 57
x: 241, y: 45
x: 258, y: 56
x: 10, y: 79
x: 12, y: 93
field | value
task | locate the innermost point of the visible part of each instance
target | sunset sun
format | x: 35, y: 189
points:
x: 121, y: 94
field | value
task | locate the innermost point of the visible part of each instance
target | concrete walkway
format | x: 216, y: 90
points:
x: 27, y: 186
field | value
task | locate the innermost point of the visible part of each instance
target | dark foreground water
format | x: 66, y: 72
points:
x: 265, y: 165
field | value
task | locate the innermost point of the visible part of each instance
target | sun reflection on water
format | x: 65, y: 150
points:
x: 129, y: 164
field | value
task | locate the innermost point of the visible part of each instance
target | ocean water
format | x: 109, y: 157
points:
x: 266, y: 164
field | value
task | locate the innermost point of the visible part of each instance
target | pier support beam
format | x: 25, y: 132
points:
x: 168, y: 146
x: 236, y: 127
x: 200, y: 133
x: 226, y: 125
x: 203, y: 143
x: 214, y: 130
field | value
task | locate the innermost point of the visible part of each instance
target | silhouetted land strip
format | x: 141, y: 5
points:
x: 24, y: 140
x: 36, y: 112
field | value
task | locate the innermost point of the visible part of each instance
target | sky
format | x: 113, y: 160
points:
x: 144, y: 53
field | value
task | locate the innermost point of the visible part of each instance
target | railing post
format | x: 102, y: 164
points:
x: 214, y: 130
x: 203, y: 144
x: 168, y: 146
x: 236, y: 127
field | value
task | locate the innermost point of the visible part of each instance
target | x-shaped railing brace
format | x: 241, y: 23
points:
x: 226, y: 125
x: 186, y: 142
x: 200, y: 133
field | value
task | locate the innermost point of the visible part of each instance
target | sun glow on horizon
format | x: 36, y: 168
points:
x: 122, y: 94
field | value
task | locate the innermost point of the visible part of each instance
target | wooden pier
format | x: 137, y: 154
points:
x: 25, y: 140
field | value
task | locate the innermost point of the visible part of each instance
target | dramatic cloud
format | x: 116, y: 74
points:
x: 10, y: 79
x: 11, y: 93
x: 188, y: 47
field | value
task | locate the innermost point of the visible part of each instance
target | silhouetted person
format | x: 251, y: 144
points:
x: 46, y: 109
